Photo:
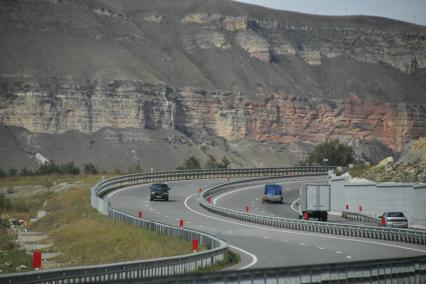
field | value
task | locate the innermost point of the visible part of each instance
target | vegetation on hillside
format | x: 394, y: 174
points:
x: 192, y: 163
x: 330, y: 153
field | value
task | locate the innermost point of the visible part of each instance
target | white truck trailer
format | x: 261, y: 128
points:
x: 314, y: 201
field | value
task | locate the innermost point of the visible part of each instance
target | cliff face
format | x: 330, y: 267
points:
x: 215, y: 70
x: 230, y: 115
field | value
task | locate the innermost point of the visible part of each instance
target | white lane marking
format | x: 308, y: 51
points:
x: 253, y: 257
x: 338, y: 252
x: 302, y: 244
x: 321, y: 248
x: 348, y: 256
x: 167, y: 216
x: 294, y: 232
x: 294, y: 209
x: 266, y: 238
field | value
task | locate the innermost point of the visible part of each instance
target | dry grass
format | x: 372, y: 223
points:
x: 84, y: 237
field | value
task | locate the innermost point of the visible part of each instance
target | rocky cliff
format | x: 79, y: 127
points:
x: 221, y: 73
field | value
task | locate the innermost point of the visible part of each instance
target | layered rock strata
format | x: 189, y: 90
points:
x: 231, y: 115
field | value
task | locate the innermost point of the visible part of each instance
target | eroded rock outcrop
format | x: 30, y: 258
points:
x: 231, y: 115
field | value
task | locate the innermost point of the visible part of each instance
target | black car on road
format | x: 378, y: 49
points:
x: 159, y: 191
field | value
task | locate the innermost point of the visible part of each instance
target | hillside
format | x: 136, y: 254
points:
x: 410, y: 167
x: 219, y: 77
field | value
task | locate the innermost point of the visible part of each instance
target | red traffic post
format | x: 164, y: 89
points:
x: 181, y: 223
x: 382, y: 221
x: 140, y: 214
x: 37, y: 259
x: 209, y: 199
x: 305, y: 216
x: 360, y: 208
x: 194, y: 245
x: 247, y: 209
x: 347, y: 206
x: 200, y: 189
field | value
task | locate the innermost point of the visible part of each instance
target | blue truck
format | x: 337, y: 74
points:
x: 273, y: 193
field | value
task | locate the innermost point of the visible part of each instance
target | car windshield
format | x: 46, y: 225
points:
x: 395, y: 214
x: 158, y: 187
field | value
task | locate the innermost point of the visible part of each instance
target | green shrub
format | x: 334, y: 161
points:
x: 191, y: 163
x: 331, y: 153
x: 90, y: 169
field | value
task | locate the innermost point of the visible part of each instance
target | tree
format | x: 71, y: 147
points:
x: 211, y: 163
x: 12, y: 172
x: 191, y: 163
x: 69, y: 168
x: 26, y: 172
x: 331, y: 153
x: 224, y: 163
x: 90, y: 169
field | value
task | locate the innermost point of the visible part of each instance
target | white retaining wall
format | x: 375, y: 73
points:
x: 376, y: 198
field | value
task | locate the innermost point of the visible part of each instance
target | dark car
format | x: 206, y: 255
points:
x: 159, y: 191
x: 394, y: 219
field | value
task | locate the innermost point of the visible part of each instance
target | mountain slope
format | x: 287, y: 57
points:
x: 212, y: 70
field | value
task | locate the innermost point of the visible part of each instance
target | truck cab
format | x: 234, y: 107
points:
x: 159, y: 191
x: 273, y: 193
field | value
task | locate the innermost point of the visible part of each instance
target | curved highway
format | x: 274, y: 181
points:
x: 258, y: 245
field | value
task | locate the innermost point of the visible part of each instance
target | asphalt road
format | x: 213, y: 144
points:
x: 259, y: 246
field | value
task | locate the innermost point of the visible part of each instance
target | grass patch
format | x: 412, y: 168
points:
x: 11, y: 257
x: 79, y: 233
x: 49, y: 180
x: 85, y: 237
x: 231, y: 258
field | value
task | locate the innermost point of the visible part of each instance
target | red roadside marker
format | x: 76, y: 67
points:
x: 194, y: 245
x: 36, y: 259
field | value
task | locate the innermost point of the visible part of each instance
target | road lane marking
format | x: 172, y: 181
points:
x: 348, y: 256
x: 294, y: 209
x: 266, y: 238
x: 338, y: 252
x: 253, y: 257
x: 320, y: 248
x: 302, y: 244
x: 294, y: 232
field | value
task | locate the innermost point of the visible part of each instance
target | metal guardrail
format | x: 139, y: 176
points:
x: 399, y: 270
x: 154, y: 267
x: 363, y: 231
x: 358, y: 217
